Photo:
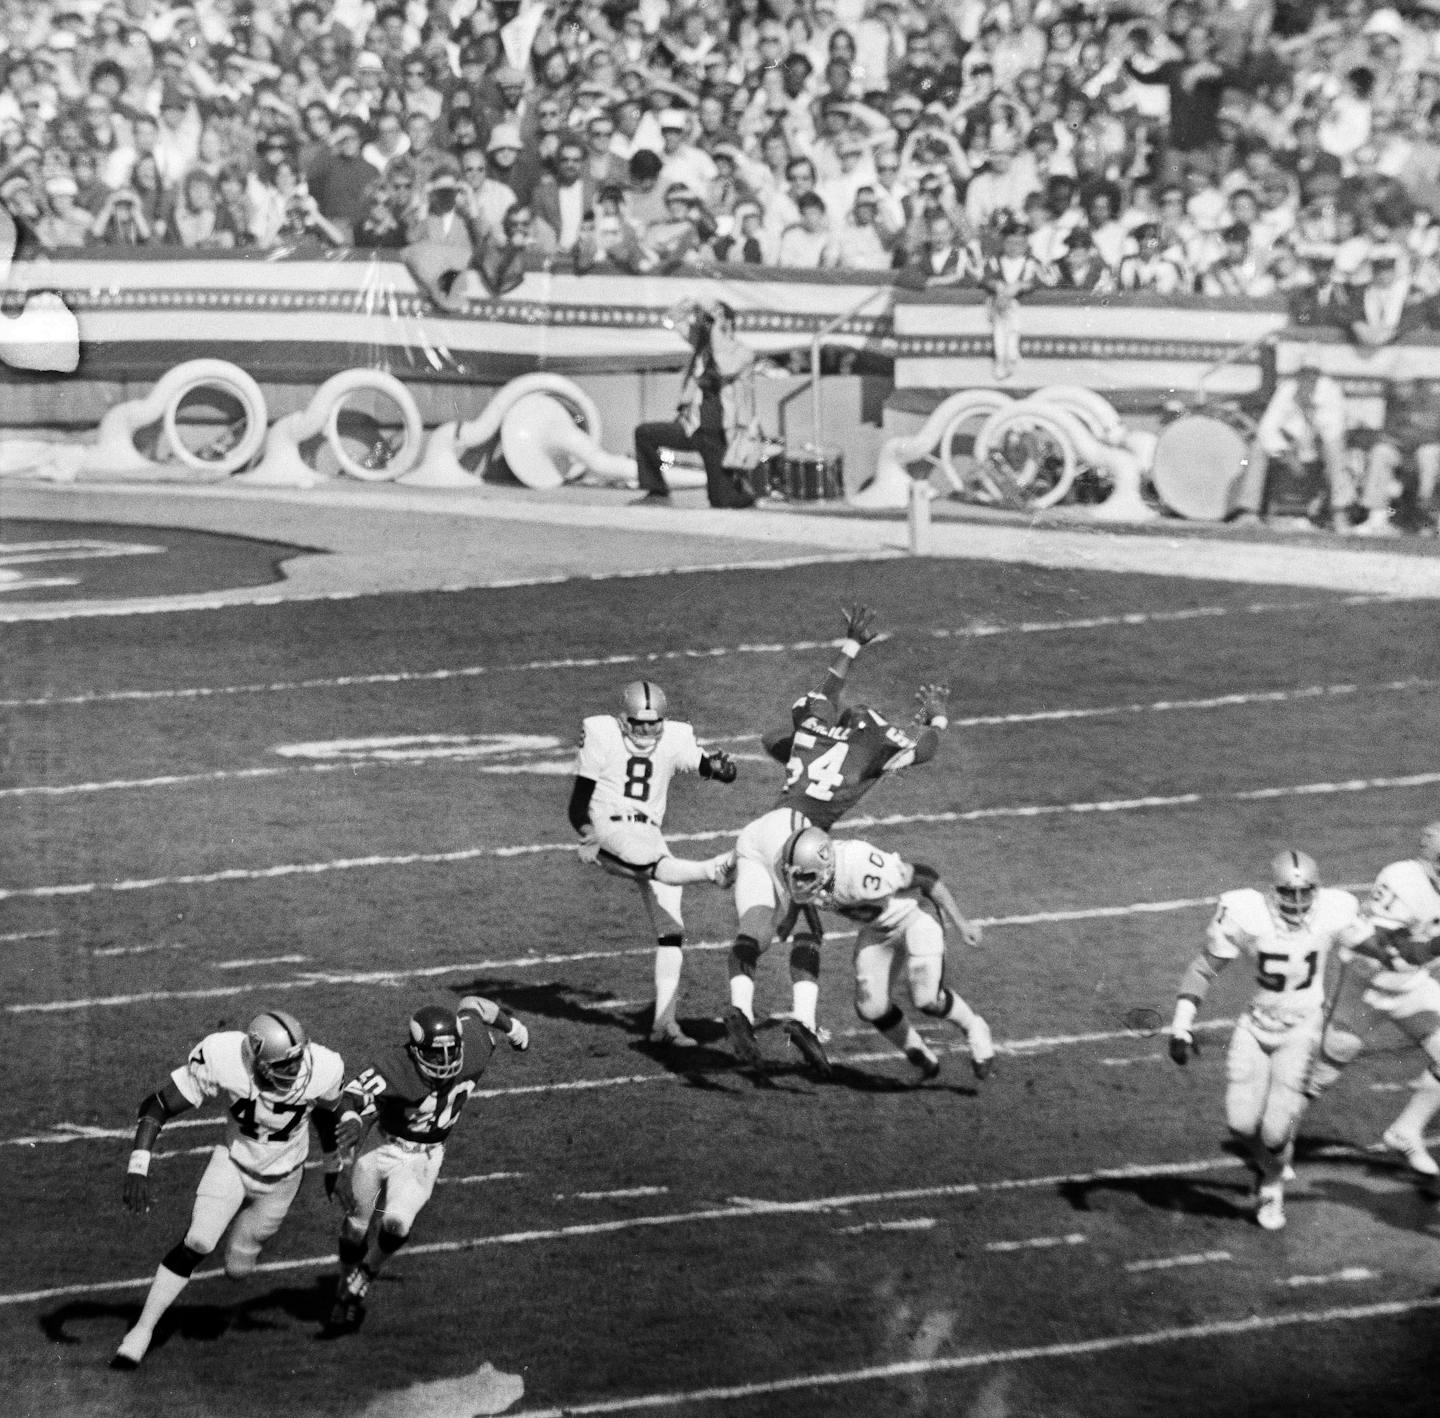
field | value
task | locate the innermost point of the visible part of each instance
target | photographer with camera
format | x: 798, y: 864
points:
x: 709, y: 414
x: 121, y: 220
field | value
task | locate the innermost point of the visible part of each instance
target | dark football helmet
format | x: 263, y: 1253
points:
x: 277, y: 1052
x: 1295, y: 880
x: 436, y: 1047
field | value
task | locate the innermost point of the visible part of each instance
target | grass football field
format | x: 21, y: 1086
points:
x: 349, y: 808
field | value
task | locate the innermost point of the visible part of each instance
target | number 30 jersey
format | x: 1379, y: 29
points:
x: 1289, y: 960
x: 264, y: 1135
x: 866, y: 887
x: 629, y: 782
x: 830, y: 768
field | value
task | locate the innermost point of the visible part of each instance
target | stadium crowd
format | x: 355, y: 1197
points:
x: 1238, y: 148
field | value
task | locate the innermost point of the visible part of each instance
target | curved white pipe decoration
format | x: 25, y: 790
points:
x: 284, y: 465
x: 113, y: 455
x: 543, y: 446
x: 890, y: 487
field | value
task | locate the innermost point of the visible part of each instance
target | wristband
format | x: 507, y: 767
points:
x: 139, y: 1163
x: 1185, y: 1012
x: 940, y: 721
x: 850, y: 649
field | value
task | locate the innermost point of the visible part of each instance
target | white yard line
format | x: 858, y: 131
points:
x: 911, y: 1223
x: 1138, y: 1267
x: 617, y: 1194
x: 472, y: 854
x: 1348, y: 1275
x: 1038, y: 1243
x: 401, y: 677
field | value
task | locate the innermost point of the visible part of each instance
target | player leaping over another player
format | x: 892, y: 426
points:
x: 832, y: 758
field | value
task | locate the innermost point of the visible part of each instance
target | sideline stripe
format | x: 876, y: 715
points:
x: 911, y: 1368
x: 540, y: 764
x: 1013, y: 1048
x: 470, y: 854
x: 979, y: 631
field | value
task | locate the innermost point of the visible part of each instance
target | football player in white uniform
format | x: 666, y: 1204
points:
x: 617, y: 805
x: 1387, y: 974
x: 413, y: 1097
x: 880, y: 892
x: 273, y: 1080
x: 1289, y: 933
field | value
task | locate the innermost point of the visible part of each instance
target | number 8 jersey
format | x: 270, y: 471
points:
x: 627, y: 782
x: 1289, y: 959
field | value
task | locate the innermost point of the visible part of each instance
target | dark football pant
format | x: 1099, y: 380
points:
x: 709, y: 443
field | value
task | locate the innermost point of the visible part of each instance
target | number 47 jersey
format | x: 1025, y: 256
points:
x: 1289, y: 959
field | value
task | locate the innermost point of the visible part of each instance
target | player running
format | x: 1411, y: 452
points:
x: 274, y: 1080
x: 879, y: 891
x: 832, y: 758
x: 1387, y: 976
x: 1289, y: 933
x: 617, y: 805
x: 413, y: 1098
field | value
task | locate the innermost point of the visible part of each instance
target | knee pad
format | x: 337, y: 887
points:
x: 1339, y: 1047
x: 672, y: 941
x: 393, y: 1235
x: 805, y: 958
x: 889, y: 1020
x: 746, y: 951
x: 183, y: 1259
x: 938, y: 1007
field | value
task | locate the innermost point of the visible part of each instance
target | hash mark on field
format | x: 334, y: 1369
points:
x: 258, y: 960
x: 15, y: 937
x: 479, y: 1177
x: 109, y: 950
x: 976, y: 632
x: 1125, y: 1063
x: 530, y: 849
x: 1171, y: 1262
x: 1349, y: 1274
x: 1039, y: 1243
x: 616, y: 1194
x: 910, y: 1223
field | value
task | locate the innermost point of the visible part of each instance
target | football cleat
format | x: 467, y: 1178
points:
x: 1413, y: 1150
x: 670, y: 1035
x: 642, y: 715
x: 436, y: 1047
x: 982, y: 1048
x: 722, y: 869
x: 807, y: 864
x: 741, y: 1033
x: 277, y: 1052
x: 926, y: 1062
x: 808, y: 1043
x: 346, y: 1316
x: 131, y: 1351
x: 1270, y: 1206
x: 1295, y: 880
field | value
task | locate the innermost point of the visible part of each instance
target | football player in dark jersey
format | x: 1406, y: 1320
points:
x: 408, y: 1102
x: 833, y: 756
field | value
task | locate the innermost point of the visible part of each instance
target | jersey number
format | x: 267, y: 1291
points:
x: 638, y: 772
x: 1278, y: 979
x: 426, y: 1115
x: 243, y: 1111
x: 825, y: 773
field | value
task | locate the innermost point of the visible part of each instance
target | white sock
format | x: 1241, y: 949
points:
x: 164, y: 1291
x: 1416, y: 1115
x: 959, y: 1012
x: 805, y: 1000
x: 669, y: 960
x: 742, y: 995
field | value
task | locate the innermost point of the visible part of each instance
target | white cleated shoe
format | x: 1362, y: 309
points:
x: 670, y: 1035
x: 1412, y: 1148
x: 1270, y: 1212
x: 722, y: 869
x: 131, y: 1351
x: 982, y: 1048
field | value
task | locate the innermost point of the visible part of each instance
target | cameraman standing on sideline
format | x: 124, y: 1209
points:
x: 708, y: 416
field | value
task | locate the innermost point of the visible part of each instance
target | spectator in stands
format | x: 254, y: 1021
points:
x: 1383, y: 305
x: 1007, y: 277
x: 809, y: 243
x: 744, y: 244
x: 1238, y: 273
x: 119, y: 222
x: 380, y: 229
x: 1149, y: 267
x: 490, y: 178
x: 943, y: 257
x: 861, y: 244
x: 389, y: 141
x: 561, y: 199
x: 1304, y: 423
x: 1405, y: 458
x: 1082, y: 267
x: 678, y: 237
x: 197, y: 220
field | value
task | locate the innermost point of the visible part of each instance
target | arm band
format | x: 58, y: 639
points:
x: 940, y: 721
x: 850, y: 649
x: 139, y: 1162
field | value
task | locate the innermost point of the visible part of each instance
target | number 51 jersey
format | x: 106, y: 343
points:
x: 1289, y: 960
x: 264, y: 1135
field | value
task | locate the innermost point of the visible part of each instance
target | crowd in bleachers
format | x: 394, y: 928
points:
x: 1240, y: 148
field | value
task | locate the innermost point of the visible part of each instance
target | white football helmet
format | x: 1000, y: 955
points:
x: 642, y: 715
x: 1295, y: 880
x: 1430, y: 849
x: 277, y: 1053
x: 808, y: 864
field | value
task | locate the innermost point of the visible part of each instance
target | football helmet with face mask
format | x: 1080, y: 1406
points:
x: 277, y: 1053
x: 1430, y: 850
x: 436, y: 1047
x: 807, y: 864
x: 1295, y: 881
x: 642, y: 715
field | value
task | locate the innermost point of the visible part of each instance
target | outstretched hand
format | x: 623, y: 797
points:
x: 1183, y: 1048
x: 860, y: 624
x: 137, y: 1196
x: 934, y: 699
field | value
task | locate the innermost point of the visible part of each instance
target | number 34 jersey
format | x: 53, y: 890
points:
x: 630, y: 782
x: 264, y: 1135
x: 1289, y: 960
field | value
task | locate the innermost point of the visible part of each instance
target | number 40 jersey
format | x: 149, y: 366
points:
x: 1289, y: 959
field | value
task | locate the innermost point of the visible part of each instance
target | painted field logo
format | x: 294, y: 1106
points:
x: 44, y: 336
x: 497, y: 753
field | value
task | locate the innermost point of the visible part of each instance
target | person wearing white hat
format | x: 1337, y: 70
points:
x: 64, y: 224
x: 683, y: 161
